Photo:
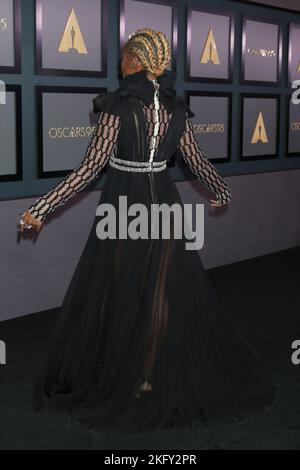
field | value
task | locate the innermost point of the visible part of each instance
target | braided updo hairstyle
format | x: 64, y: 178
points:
x: 152, y: 49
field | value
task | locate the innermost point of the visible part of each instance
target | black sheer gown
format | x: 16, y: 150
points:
x: 141, y: 340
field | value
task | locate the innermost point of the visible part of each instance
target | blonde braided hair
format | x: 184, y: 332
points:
x: 152, y: 49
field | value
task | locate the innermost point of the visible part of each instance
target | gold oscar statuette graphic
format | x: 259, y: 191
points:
x: 298, y: 68
x: 260, y: 134
x: 210, y: 54
x: 72, y: 39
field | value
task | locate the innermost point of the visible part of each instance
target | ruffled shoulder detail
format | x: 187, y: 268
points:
x: 108, y: 101
x: 183, y: 103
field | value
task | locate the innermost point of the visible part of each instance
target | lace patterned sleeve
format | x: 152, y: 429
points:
x: 201, y: 166
x: 99, y: 149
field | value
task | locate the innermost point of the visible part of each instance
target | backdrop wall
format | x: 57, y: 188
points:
x: 263, y: 216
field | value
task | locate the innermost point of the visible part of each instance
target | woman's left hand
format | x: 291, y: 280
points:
x: 29, y: 221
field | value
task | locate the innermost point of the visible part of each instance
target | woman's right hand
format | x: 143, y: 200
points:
x: 29, y: 219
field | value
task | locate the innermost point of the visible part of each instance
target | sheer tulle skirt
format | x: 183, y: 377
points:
x: 141, y: 340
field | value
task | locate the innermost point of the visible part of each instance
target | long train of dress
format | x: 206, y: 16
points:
x: 121, y: 326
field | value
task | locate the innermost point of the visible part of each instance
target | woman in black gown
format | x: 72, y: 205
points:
x: 141, y: 340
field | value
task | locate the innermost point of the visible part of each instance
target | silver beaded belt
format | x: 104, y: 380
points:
x: 129, y: 165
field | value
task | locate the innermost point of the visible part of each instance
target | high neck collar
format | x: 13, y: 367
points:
x: 138, y: 84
